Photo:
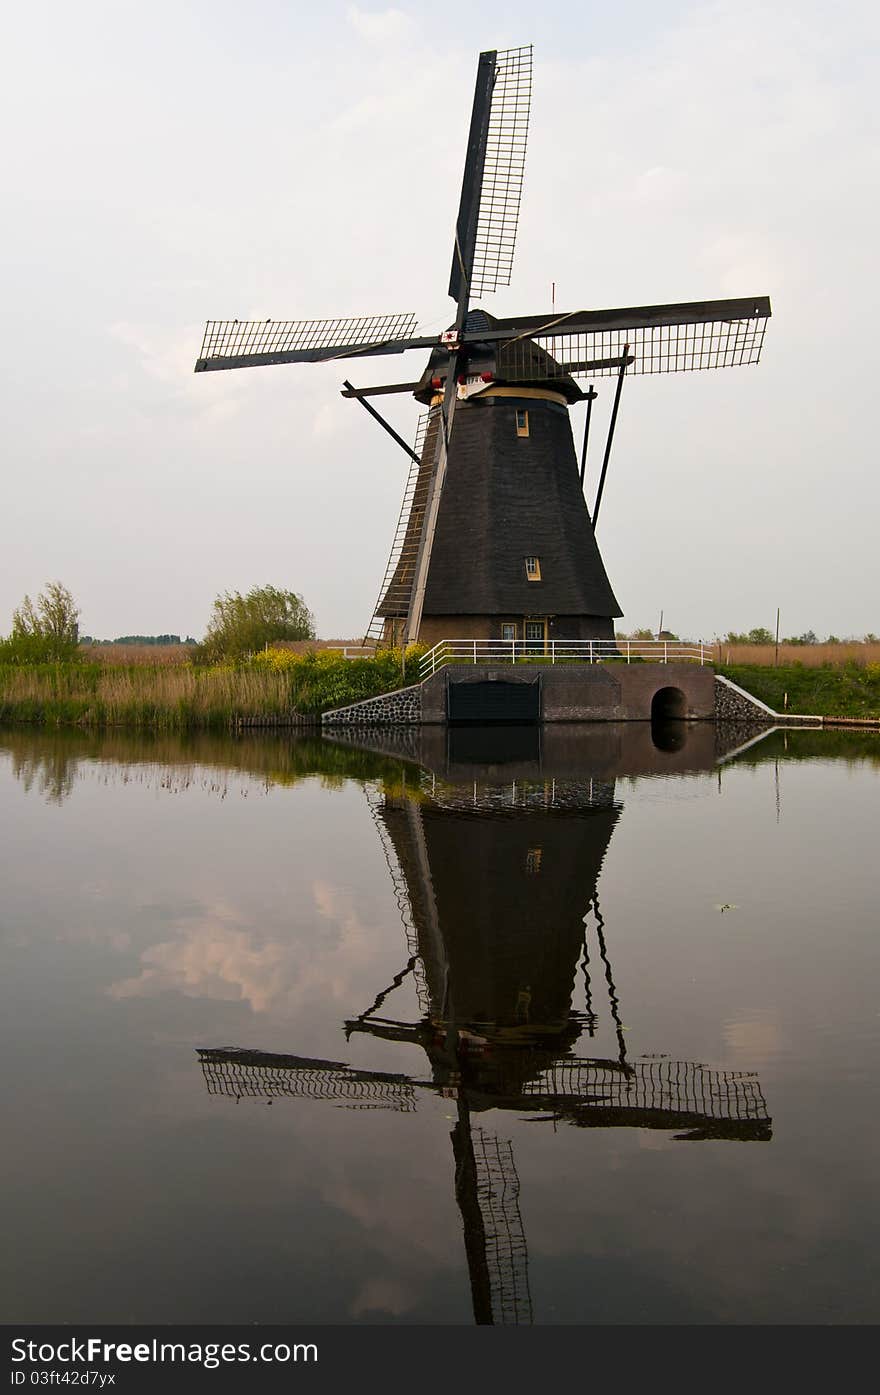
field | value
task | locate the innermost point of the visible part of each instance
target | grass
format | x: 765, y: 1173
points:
x: 276, y: 686
x: 805, y: 655
x: 827, y: 690
x: 172, y: 694
x: 144, y: 655
x: 162, y: 697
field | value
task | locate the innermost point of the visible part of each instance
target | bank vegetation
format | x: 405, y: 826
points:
x: 272, y: 687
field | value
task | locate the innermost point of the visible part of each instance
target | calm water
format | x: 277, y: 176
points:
x: 560, y: 1029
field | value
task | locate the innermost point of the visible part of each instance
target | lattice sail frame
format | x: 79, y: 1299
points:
x: 658, y: 1084
x: 397, y: 583
x: 507, y: 1255
x: 503, y: 170
x: 654, y: 349
x: 243, y: 1074
x: 237, y: 338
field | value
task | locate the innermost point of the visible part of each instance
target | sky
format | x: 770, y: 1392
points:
x: 177, y: 162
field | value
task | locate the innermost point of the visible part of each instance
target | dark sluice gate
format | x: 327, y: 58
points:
x: 486, y: 702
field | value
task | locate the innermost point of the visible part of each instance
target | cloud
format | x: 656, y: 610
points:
x: 216, y: 954
x: 379, y: 26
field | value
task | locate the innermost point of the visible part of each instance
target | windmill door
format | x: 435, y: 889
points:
x: 536, y: 636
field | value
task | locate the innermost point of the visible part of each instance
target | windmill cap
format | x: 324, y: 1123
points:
x: 515, y: 362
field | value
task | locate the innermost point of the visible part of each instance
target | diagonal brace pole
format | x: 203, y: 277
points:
x: 353, y: 392
x: 611, y: 426
x: 591, y: 394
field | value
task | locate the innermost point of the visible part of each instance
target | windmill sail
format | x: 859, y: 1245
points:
x: 507, y: 1255
x: 265, y: 1075
x: 396, y: 590
x: 493, y: 176
x: 259, y: 343
x: 656, y: 339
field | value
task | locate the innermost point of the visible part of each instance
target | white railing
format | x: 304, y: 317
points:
x: 560, y: 651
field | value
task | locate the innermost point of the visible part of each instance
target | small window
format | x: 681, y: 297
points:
x: 533, y: 861
x: 533, y: 568
x: 522, y: 422
x: 508, y: 631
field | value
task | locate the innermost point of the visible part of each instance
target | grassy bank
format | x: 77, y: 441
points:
x: 826, y: 690
x: 274, y: 686
x: 282, y: 686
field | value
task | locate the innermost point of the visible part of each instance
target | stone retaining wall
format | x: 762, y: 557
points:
x: 389, y: 709
x: 734, y: 706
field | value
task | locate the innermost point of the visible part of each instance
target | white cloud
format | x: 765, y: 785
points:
x: 218, y: 955
x: 379, y: 26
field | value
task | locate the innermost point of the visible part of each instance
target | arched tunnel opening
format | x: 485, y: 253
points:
x: 668, y: 704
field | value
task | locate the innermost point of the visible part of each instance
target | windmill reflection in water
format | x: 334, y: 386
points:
x: 496, y: 880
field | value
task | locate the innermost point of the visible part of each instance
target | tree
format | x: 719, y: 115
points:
x: 243, y: 624
x: 761, y: 635
x: 51, y: 624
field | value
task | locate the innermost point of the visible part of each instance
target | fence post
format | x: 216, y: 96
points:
x: 591, y: 651
x: 513, y: 651
x: 666, y: 651
x: 475, y: 651
x: 553, y: 651
x: 627, y: 651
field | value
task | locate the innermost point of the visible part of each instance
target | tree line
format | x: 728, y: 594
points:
x: 159, y: 640
x: 46, y: 630
x: 759, y: 635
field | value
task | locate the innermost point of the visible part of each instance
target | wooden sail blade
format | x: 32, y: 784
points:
x: 257, y: 343
x: 268, y: 1075
x: 472, y: 181
x: 493, y: 174
x: 679, y: 337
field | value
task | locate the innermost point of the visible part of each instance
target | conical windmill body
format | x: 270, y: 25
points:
x: 494, y: 539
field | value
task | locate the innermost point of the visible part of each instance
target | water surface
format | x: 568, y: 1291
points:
x: 564, y: 1027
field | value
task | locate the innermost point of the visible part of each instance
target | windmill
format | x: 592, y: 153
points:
x: 496, y: 885
x: 494, y: 538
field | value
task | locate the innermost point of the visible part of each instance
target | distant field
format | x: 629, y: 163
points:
x: 156, y: 655
x: 810, y: 655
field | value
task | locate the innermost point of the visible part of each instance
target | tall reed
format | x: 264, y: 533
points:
x: 168, y: 697
x: 810, y: 655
